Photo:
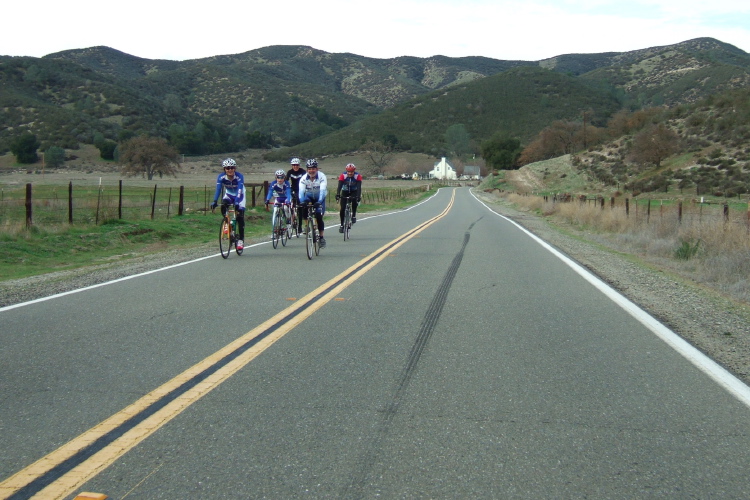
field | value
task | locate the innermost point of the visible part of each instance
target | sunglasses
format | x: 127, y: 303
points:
x: 230, y: 168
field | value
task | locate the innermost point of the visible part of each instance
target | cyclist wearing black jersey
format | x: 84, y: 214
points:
x: 293, y: 176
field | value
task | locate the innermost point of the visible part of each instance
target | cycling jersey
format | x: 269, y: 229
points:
x: 281, y: 190
x: 234, y: 189
x: 294, y: 176
x: 314, y: 190
x: 350, y: 185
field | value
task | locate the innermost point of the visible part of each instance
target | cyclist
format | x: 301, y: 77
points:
x: 233, y: 184
x: 313, y: 187
x: 281, y: 190
x: 293, y: 176
x: 350, y: 184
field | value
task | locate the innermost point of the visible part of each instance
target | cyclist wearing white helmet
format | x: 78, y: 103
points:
x: 313, y: 187
x: 281, y: 191
x: 293, y: 176
x: 233, y: 184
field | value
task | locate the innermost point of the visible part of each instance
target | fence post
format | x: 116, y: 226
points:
x: 648, y: 211
x: 119, y: 202
x: 169, y: 201
x: 70, y: 202
x: 679, y: 212
x: 726, y: 212
x: 153, y: 203
x: 627, y: 207
x: 28, y: 206
x: 182, y: 201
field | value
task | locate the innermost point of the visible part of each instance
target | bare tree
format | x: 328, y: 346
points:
x: 148, y: 156
x: 379, y: 155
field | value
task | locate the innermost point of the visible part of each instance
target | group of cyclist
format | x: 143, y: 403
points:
x: 296, y: 187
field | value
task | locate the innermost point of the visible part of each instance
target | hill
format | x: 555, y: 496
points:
x: 291, y: 95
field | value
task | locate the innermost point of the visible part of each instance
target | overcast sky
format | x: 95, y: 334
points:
x: 501, y: 29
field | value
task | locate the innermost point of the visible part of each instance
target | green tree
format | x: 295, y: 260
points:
x: 501, y: 152
x: 54, y: 156
x: 148, y: 156
x: 24, y: 148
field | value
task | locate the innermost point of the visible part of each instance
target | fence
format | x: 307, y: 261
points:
x: 667, y: 210
x: 94, y: 205
x: 49, y: 205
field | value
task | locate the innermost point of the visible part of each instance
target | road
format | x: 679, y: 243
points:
x: 442, y: 352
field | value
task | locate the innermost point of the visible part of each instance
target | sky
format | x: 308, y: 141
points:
x: 531, y: 30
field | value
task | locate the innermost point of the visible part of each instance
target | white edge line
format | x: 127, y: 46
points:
x: 718, y: 373
x: 124, y: 278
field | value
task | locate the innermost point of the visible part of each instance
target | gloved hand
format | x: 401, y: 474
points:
x: 359, y: 199
x: 214, y: 204
x: 338, y: 197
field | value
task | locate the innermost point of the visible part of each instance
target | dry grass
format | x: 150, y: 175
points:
x: 703, y: 246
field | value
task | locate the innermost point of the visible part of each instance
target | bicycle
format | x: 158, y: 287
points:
x: 348, y: 216
x: 311, y: 232
x: 293, y: 219
x: 228, y: 232
x: 279, y: 225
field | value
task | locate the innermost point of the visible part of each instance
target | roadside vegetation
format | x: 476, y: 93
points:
x: 46, y: 248
x: 708, y: 243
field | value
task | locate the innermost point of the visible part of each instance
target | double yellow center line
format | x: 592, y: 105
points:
x: 61, y: 472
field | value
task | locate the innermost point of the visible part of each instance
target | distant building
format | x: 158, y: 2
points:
x: 471, y: 172
x: 443, y: 170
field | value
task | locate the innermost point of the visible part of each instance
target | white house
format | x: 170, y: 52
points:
x: 443, y: 170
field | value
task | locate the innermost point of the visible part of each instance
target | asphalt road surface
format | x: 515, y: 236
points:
x: 442, y: 352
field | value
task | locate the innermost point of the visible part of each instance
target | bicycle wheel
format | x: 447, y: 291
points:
x: 276, y: 228
x: 293, y: 222
x: 309, y: 243
x: 284, y: 231
x: 225, y: 240
x: 347, y: 220
x: 316, y: 238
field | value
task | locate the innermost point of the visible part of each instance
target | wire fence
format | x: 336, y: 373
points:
x: 676, y: 210
x: 86, y: 204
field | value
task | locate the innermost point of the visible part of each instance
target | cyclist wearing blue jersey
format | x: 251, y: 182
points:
x: 233, y: 185
x: 281, y: 191
x: 313, y: 187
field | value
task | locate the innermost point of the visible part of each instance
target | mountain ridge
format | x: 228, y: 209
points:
x: 285, y: 95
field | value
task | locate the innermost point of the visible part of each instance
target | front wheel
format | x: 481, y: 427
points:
x: 276, y: 229
x: 309, y: 239
x: 225, y: 239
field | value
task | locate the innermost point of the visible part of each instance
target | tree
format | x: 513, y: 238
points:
x: 501, y: 152
x: 54, y: 156
x: 24, y: 148
x: 148, y: 156
x: 655, y: 143
x: 379, y: 154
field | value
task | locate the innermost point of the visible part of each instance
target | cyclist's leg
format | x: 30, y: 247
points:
x: 240, y: 214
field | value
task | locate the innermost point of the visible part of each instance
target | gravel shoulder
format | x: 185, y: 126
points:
x: 714, y: 324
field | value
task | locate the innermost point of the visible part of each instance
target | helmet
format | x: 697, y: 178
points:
x: 350, y: 167
x: 295, y: 161
x: 312, y: 162
x: 280, y: 174
x: 228, y: 163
